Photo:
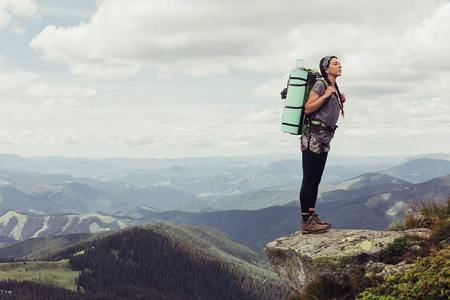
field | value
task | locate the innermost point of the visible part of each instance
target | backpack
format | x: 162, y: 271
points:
x: 296, y: 94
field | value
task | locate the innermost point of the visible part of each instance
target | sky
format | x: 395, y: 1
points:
x: 194, y: 78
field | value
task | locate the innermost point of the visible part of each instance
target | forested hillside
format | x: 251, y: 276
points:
x: 147, y: 263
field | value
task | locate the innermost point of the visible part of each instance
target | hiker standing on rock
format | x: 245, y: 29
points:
x: 322, y: 108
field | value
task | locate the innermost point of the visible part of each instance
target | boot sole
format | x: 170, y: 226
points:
x: 314, y: 231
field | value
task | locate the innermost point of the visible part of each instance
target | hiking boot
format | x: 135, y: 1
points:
x: 311, y: 226
x: 318, y: 221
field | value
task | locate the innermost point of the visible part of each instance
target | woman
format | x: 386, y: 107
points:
x: 322, y: 108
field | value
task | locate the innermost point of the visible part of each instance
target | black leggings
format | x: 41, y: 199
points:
x: 313, y: 165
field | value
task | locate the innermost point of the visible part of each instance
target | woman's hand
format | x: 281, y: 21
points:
x: 329, y: 91
x: 343, y: 98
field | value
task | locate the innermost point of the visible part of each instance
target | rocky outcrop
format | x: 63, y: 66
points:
x: 299, y: 259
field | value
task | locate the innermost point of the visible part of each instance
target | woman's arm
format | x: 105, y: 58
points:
x: 314, y: 102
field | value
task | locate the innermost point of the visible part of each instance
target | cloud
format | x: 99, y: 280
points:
x: 194, y: 37
x: 395, y: 71
x: 257, y: 115
x: 36, y: 88
x: 271, y: 87
x: 200, y: 38
x: 386, y: 47
x: 18, y: 30
x: 23, y: 137
x: 44, y: 89
x: 16, y: 8
x: 58, y: 102
x: 134, y: 139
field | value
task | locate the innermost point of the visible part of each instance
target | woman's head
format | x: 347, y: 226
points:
x: 330, y: 65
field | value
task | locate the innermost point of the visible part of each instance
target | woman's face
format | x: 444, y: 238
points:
x: 334, y: 68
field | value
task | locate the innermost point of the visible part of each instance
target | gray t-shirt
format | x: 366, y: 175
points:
x: 328, y: 113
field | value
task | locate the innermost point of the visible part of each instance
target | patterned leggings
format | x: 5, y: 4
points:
x: 313, y: 165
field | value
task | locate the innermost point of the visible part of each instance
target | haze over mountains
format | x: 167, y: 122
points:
x: 249, y: 198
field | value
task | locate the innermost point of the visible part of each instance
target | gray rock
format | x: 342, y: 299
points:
x: 300, y: 259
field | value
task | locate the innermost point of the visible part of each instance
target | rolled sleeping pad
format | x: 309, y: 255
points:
x: 295, y: 101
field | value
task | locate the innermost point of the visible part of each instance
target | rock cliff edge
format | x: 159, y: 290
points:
x: 300, y: 259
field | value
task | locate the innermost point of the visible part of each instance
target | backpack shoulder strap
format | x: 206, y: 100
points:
x: 312, y: 115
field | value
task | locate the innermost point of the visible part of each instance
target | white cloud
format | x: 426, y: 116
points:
x: 395, y: 71
x: 49, y: 94
x: 254, y: 115
x: 44, y: 89
x: 24, y: 8
x: 383, y: 45
x: 271, y: 88
x: 16, y: 81
x: 18, y: 30
x: 52, y: 103
x: 198, y: 37
x: 16, y: 8
x: 22, y: 137
x: 194, y: 37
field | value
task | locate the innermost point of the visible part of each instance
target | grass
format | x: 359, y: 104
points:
x: 52, y: 273
x: 428, y: 214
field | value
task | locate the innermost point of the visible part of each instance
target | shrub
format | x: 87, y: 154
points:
x: 441, y: 230
x: 406, y: 247
x: 429, y: 214
x: 428, y: 279
x: 324, y: 288
x: 424, y: 214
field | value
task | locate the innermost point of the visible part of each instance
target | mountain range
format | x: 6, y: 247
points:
x: 261, y: 198
x: 214, y: 215
x: 64, y: 193
x: 81, y: 185
x: 384, y: 204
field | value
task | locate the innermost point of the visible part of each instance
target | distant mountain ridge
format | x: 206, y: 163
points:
x: 253, y: 228
x: 63, y: 193
x: 215, y: 177
x: 22, y: 225
x: 420, y: 169
x: 360, y: 186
